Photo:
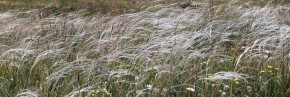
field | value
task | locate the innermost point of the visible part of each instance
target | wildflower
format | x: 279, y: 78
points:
x: 220, y: 91
x: 249, y: 87
x: 148, y: 86
x: 224, y: 93
x: 226, y: 86
x: 262, y: 71
x: 96, y: 91
x: 236, y: 79
x: 106, y: 91
x: 277, y: 68
x: 190, y: 89
x: 237, y: 82
x: 270, y: 66
x: 270, y: 71
x: 210, y: 76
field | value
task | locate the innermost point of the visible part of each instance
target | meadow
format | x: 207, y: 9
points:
x: 153, y: 48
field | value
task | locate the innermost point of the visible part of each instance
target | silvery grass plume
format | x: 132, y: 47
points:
x: 226, y: 76
x: 27, y: 93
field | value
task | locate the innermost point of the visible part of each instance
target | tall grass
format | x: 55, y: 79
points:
x: 229, y: 49
x: 115, y: 7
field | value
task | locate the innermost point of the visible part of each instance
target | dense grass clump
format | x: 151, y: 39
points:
x: 228, y: 48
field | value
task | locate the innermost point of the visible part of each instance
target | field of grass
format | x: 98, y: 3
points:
x: 230, y: 48
x: 94, y: 6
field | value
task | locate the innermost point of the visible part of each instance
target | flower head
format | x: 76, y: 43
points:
x: 106, y: 91
x: 262, y: 71
x: 237, y: 82
x: 148, y: 86
x: 236, y: 79
x: 210, y: 76
x: 96, y: 91
x: 190, y: 89
x: 224, y: 93
x: 226, y: 86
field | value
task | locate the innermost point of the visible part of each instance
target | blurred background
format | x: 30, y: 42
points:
x: 102, y: 6
x: 113, y: 6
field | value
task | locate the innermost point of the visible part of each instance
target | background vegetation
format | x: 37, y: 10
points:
x: 106, y: 6
x: 103, y: 6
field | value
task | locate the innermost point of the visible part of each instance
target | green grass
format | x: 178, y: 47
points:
x: 226, y: 49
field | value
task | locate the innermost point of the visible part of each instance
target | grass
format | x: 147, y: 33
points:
x: 219, y: 49
x: 94, y: 6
